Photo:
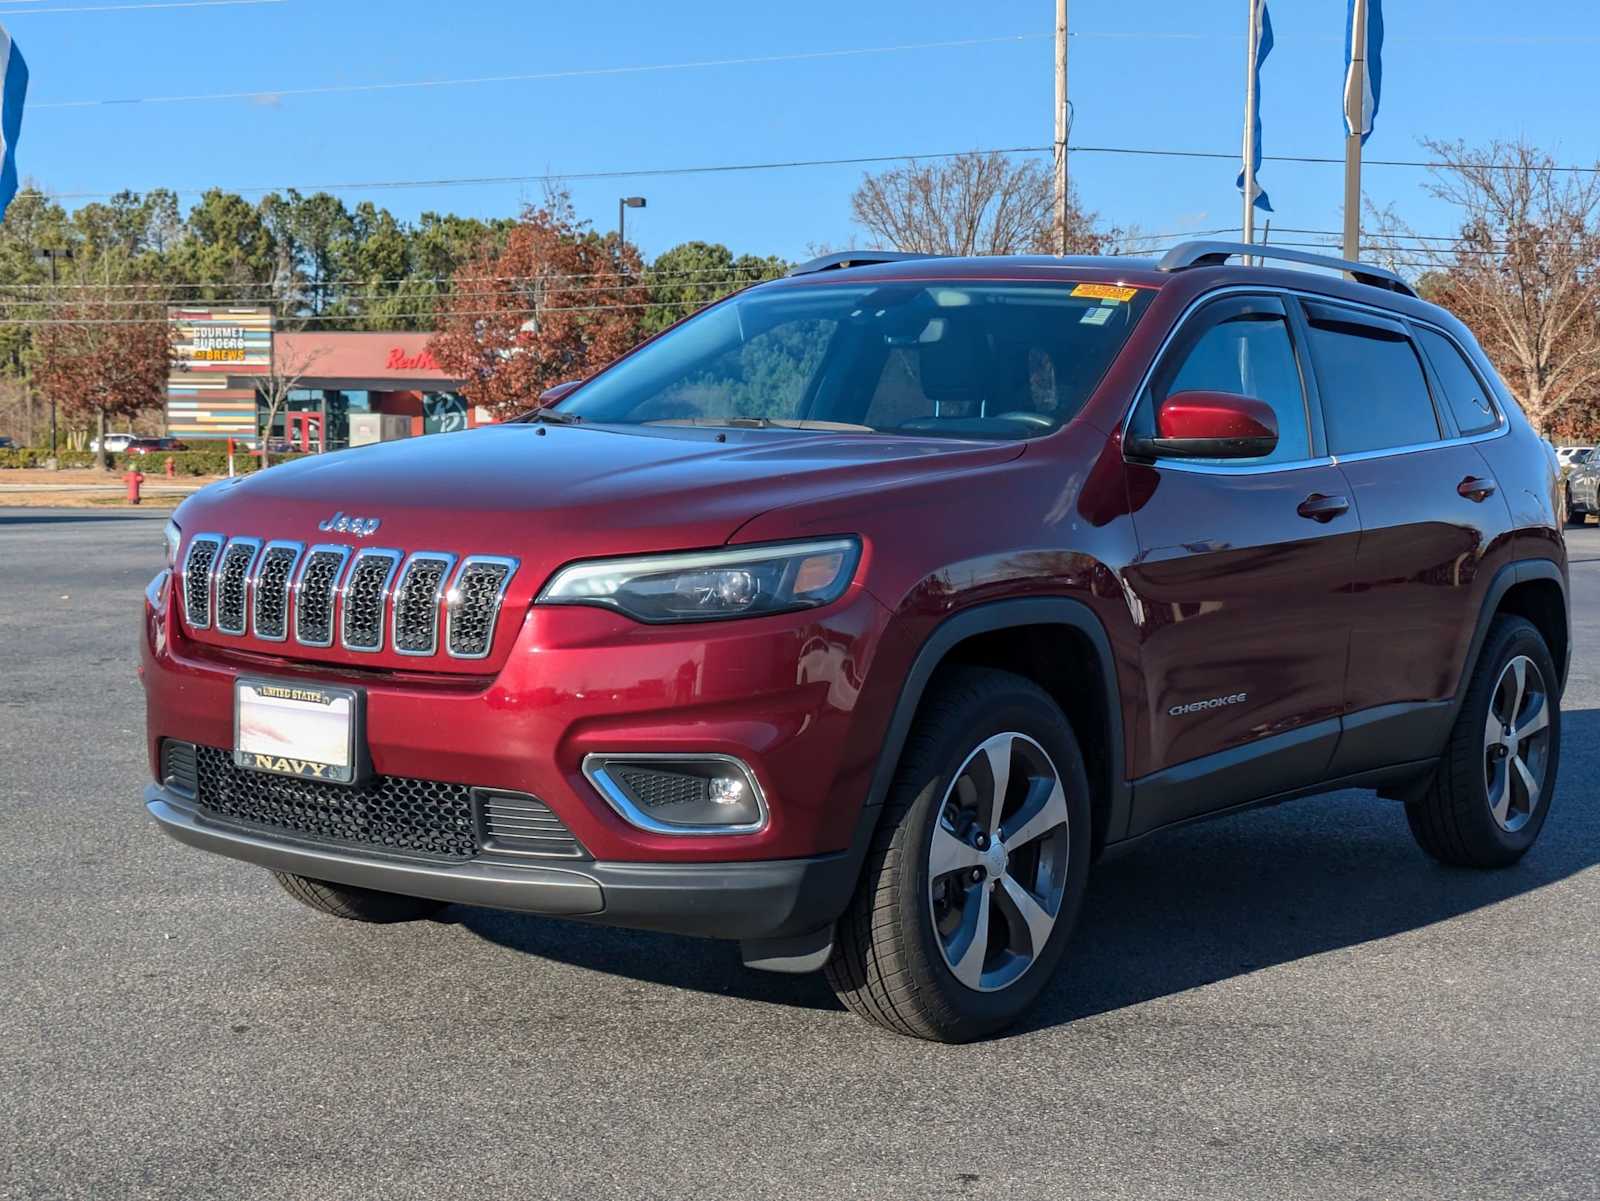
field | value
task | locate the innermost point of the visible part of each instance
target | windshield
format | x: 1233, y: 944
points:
x: 958, y: 359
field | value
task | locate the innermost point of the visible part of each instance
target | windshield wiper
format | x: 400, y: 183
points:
x: 768, y: 423
x: 553, y: 417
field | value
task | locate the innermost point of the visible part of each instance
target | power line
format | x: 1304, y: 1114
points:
x: 790, y: 164
x: 538, y: 76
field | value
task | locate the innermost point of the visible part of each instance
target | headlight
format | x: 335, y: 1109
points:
x: 174, y: 539
x: 748, y: 581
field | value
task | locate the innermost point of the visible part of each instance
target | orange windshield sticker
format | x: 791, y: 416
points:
x: 1106, y: 291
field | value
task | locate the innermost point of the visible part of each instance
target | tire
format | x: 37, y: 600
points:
x: 1455, y: 819
x: 890, y: 964
x: 356, y: 904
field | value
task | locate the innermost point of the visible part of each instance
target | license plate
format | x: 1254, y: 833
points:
x: 294, y: 729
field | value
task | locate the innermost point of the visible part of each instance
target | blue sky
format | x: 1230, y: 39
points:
x: 1453, y: 68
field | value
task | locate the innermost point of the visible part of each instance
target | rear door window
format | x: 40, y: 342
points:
x: 1463, y: 389
x: 1374, y: 393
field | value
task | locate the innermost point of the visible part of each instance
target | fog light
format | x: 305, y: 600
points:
x: 680, y: 794
x: 725, y: 790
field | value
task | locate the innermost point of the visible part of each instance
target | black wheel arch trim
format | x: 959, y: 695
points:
x: 987, y: 618
x: 1520, y: 571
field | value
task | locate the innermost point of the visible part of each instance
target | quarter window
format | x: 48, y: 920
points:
x: 1463, y: 390
x: 1374, y: 394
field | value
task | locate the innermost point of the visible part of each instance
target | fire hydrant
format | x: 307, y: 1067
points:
x: 172, y: 468
x: 133, y: 479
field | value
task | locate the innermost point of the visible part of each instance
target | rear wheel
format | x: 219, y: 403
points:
x: 1491, y: 792
x: 977, y: 871
x: 356, y: 904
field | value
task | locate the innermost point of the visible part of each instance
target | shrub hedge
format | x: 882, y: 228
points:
x: 184, y: 462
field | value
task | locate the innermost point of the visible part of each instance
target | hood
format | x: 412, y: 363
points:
x: 546, y: 495
x: 554, y: 493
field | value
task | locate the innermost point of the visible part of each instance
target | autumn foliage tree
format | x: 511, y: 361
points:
x: 100, y: 357
x: 556, y: 302
x: 1523, y: 272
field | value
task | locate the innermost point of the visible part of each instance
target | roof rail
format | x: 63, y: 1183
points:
x: 1212, y: 254
x: 857, y: 258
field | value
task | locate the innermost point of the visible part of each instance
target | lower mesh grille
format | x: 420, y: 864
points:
x: 393, y: 814
x: 389, y: 813
x: 654, y: 789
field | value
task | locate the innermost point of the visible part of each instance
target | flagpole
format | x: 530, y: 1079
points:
x: 1354, y: 104
x: 1253, y: 33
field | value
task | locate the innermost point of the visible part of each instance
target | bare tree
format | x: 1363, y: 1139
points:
x: 974, y: 203
x: 288, y: 368
x: 1524, y: 272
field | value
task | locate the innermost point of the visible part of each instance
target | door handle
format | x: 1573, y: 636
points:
x: 1318, y: 507
x: 1476, y: 487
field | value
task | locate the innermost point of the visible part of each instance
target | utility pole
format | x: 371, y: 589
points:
x: 1252, y: 36
x: 1063, y: 127
x: 1355, y: 120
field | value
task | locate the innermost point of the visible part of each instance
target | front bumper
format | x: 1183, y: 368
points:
x: 760, y: 900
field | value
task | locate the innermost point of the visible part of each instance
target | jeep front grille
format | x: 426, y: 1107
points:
x: 371, y: 599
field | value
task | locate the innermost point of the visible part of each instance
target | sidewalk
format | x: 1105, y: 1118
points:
x: 82, y: 488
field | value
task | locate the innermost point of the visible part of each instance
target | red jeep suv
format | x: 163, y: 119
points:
x: 854, y: 617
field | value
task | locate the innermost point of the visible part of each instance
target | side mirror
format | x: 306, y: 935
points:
x: 1210, y: 425
x: 550, y: 395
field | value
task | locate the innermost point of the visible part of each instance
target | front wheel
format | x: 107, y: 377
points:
x: 977, y: 870
x: 356, y: 904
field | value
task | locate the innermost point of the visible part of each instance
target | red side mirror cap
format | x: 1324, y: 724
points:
x: 1210, y: 425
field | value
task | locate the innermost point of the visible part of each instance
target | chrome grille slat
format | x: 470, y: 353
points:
x: 314, y: 591
x: 196, y: 591
x: 364, y: 599
x: 269, y: 590
x: 230, y: 585
x: 473, y: 605
x: 424, y: 580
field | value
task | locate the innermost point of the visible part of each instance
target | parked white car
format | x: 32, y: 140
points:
x: 115, y: 443
x: 1568, y: 455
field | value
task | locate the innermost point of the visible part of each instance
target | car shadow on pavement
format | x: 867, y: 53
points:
x: 1189, y: 908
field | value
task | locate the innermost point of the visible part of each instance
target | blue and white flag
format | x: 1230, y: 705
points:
x: 13, y: 91
x: 1263, y: 48
x: 1363, y: 81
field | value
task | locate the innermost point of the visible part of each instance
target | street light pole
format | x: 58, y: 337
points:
x: 50, y: 256
x: 624, y: 203
x: 1063, y: 126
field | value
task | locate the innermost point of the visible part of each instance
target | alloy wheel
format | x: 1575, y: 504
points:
x: 997, y: 862
x: 1516, y: 743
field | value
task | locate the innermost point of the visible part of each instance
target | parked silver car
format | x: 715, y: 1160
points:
x: 1583, y: 487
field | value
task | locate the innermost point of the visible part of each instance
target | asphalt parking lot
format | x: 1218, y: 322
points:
x: 1292, y: 1003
